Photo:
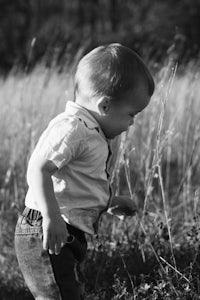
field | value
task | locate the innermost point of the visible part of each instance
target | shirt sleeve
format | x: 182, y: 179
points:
x: 62, y: 142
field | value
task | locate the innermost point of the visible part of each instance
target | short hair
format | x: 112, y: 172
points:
x: 111, y: 70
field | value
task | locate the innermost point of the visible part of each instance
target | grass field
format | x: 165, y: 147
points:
x: 153, y: 255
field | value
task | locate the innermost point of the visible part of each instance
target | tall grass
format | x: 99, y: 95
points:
x: 157, y: 165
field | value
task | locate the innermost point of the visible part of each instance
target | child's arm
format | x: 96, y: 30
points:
x: 122, y: 205
x: 40, y: 182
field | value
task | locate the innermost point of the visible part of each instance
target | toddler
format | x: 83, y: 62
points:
x: 68, y: 175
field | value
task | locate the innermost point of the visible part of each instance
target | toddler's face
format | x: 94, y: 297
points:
x: 121, y: 114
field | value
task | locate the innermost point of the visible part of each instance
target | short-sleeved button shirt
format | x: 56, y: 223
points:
x: 75, y: 143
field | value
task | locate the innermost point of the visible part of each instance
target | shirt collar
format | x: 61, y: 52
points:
x: 72, y: 108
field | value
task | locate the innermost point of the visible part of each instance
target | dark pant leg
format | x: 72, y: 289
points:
x: 64, y: 271
x: 64, y: 265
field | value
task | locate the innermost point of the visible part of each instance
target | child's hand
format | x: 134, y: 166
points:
x: 54, y: 234
x: 123, y: 206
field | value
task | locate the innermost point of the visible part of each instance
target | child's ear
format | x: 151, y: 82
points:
x: 103, y: 105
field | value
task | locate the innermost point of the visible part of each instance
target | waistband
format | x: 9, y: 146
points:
x: 31, y: 214
x: 35, y: 215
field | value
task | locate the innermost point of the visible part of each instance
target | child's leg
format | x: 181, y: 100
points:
x: 49, y: 277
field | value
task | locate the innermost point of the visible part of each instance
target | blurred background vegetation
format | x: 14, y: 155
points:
x: 61, y: 27
x: 154, y: 255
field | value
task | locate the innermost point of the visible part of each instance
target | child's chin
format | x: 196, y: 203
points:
x: 111, y: 137
x: 114, y: 135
